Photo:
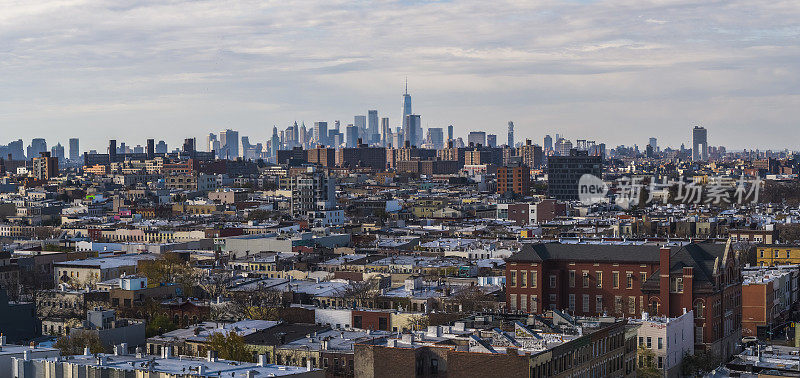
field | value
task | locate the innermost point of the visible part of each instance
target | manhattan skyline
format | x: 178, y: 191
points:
x: 606, y: 71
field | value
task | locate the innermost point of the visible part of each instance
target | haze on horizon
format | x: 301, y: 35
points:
x: 616, y: 71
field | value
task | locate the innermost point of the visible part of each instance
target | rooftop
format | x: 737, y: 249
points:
x: 179, y: 366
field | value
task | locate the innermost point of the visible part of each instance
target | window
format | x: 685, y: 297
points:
x: 513, y: 300
x: 534, y: 278
x: 599, y: 277
x: 552, y: 280
x: 630, y: 281
x: 615, y: 280
x: 598, y: 303
x: 552, y: 298
x: 617, y: 304
x: 571, y: 278
x: 534, y: 304
x: 632, y: 304
x: 523, y: 302
x: 660, y: 362
x: 676, y: 285
x: 524, y: 279
x: 357, y: 321
x: 513, y: 278
x: 660, y: 343
x: 649, y: 342
x: 434, y: 366
x: 572, y: 302
x: 585, y: 302
x: 699, y: 309
x: 585, y: 278
x: 642, y: 278
x: 641, y: 341
x: 698, y: 335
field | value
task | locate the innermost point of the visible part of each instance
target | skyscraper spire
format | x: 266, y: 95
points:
x: 406, y: 92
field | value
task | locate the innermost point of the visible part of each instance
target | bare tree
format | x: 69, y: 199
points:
x: 361, y: 293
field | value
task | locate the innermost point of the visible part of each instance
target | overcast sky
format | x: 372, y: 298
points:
x: 616, y: 72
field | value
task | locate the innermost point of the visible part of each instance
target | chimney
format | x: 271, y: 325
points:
x: 211, y: 356
x: 86, y: 351
x: 2, y: 339
x: 262, y: 360
x: 167, y: 352
x: 688, y: 279
x: 663, y: 268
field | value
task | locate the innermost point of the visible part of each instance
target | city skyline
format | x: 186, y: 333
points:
x: 181, y: 69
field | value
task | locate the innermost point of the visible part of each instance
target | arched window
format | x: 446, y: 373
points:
x: 699, y: 308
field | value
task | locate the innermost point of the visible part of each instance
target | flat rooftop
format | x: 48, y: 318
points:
x: 179, y: 366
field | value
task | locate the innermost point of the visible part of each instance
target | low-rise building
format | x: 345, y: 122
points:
x: 665, y: 340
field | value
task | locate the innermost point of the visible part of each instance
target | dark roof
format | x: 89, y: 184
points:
x: 587, y: 252
x: 700, y: 256
x: 283, y: 333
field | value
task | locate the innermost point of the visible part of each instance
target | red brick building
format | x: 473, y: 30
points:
x: 515, y: 179
x: 373, y: 320
x: 626, y: 280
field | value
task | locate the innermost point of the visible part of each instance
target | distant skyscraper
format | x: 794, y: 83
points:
x: 406, y: 103
x: 15, y: 149
x: 436, y: 137
x: 351, y: 136
x: 373, y: 135
x: 229, y: 144
x: 476, y: 138
x: 57, y: 152
x: 275, y: 144
x: 563, y: 147
x: 413, y: 123
x: 491, y: 140
x: 653, y: 143
x: 406, y: 112
x: 360, y: 121
x: 321, y: 132
x: 37, y: 146
x: 699, y: 144
x: 151, y: 148
x: 211, y: 139
x: 161, y: 147
x: 386, y: 132
x: 510, y: 134
x: 449, y: 133
x: 548, y: 143
x: 74, y: 149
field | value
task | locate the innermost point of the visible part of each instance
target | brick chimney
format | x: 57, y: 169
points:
x: 663, y: 268
x: 687, y: 297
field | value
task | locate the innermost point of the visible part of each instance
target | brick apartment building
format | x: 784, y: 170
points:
x: 626, y: 280
x: 768, y: 296
x: 515, y: 179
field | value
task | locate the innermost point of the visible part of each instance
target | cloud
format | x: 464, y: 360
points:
x: 615, y: 71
